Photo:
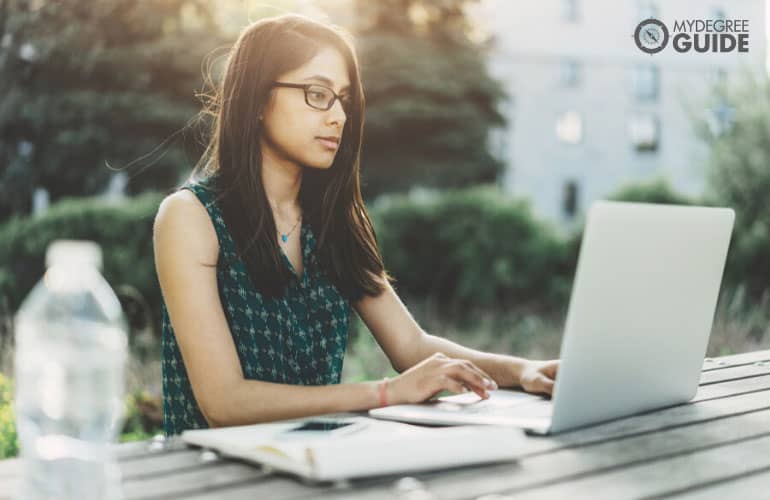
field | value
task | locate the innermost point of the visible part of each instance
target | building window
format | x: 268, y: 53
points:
x: 569, y: 127
x: 570, y: 73
x: 570, y: 199
x: 644, y: 131
x: 646, y: 82
x: 570, y: 11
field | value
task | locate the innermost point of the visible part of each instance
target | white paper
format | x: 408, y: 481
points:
x: 382, y: 447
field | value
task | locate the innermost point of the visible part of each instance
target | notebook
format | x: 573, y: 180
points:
x: 378, y: 447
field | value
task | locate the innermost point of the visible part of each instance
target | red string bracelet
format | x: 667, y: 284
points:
x: 383, y: 395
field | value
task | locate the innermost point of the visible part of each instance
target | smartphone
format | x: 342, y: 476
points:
x: 319, y: 428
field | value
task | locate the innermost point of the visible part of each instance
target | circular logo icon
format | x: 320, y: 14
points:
x: 651, y: 36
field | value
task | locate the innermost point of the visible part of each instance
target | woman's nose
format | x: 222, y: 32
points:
x: 337, y: 112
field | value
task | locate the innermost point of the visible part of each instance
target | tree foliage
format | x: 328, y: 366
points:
x: 85, y: 86
x: 739, y: 175
x: 431, y: 102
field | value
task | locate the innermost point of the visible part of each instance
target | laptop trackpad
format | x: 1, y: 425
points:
x: 500, y: 403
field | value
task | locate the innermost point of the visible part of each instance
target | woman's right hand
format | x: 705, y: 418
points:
x: 435, y: 374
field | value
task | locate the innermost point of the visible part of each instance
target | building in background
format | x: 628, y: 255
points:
x: 590, y: 112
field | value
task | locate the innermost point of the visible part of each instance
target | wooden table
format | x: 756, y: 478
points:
x: 714, y: 446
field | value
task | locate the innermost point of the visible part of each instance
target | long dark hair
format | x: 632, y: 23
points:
x: 330, y: 198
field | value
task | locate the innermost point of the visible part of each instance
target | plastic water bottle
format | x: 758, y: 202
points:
x: 69, y: 368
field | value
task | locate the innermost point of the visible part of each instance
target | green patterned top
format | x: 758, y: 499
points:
x: 298, y: 338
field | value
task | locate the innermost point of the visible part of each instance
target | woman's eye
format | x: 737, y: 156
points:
x: 317, y: 95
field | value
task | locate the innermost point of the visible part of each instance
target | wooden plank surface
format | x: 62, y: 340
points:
x: 715, y: 445
x: 564, y: 458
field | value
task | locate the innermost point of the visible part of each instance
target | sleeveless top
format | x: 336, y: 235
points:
x: 298, y: 338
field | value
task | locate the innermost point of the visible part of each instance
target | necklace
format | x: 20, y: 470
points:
x: 285, y: 237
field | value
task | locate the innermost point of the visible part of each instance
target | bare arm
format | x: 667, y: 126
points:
x: 186, y: 250
x: 504, y: 369
x: 406, y: 343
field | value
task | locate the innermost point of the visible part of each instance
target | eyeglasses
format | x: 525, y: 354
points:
x: 319, y: 96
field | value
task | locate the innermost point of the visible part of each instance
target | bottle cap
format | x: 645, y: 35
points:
x: 74, y: 253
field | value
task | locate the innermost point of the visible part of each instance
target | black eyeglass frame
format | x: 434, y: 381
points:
x: 306, y: 87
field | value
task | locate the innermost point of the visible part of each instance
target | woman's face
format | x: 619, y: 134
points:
x: 293, y: 129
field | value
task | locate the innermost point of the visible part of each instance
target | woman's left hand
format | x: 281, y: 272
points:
x: 539, y: 376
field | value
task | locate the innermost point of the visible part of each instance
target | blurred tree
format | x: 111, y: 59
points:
x: 430, y: 101
x: 86, y: 86
x: 737, y: 129
x: 91, y: 85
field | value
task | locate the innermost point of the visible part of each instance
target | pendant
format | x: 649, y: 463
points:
x: 285, y: 237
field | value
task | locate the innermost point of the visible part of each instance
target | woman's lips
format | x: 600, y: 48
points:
x: 328, y: 143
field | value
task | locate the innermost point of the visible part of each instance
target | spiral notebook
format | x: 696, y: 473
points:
x: 379, y: 448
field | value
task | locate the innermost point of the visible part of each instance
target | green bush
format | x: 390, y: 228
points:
x: 143, y: 418
x: 475, y: 247
x: 738, y: 174
x: 471, y: 247
x: 124, y: 231
x: 658, y: 190
x: 9, y: 442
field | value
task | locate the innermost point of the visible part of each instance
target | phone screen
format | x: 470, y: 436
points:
x: 319, y: 425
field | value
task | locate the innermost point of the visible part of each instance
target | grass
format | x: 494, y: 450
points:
x: 740, y: 325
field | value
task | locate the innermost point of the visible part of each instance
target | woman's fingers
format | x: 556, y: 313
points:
x: 553, y: 370
x: 462, y: 375
x: 482, y: 373
x: 544, y: 384
x: 469, y: 377
x: 550, y: 368
x: 453, y: 385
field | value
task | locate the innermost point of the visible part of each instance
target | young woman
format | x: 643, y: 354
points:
x: 263, y: 251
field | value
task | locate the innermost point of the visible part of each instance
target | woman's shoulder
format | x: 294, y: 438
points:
x: 183, y: 203
x: 182, y: 222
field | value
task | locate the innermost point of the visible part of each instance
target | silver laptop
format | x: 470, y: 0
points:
x: 637, y: 328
